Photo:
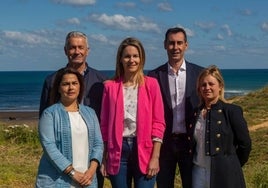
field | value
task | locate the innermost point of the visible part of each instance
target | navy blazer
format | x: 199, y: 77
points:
x: 228, y: 143
x: 191, y: 98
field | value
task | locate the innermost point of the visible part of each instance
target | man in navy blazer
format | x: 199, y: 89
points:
x: 177, y: 79
x: 76, y: 50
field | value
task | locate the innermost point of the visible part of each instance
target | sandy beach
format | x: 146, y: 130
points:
x: 31, y: 119
x: 19, y: 118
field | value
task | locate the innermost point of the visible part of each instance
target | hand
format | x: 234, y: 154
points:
x: 153, y: 168
x: 87, y: 179
x: 103, y: 169
x: 78, y: 176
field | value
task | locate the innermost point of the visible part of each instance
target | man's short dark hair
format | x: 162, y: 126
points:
x: 176, y: 30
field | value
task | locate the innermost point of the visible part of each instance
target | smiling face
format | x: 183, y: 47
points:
x: 210, y: 89
x: 175, y: 45
x: 69, y: 88
x: 130, y: 60
x: 77, y: 50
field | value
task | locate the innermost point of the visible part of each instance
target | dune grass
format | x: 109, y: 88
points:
x: 20, y: 150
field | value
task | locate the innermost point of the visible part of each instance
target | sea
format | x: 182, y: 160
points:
x: 21, y: 90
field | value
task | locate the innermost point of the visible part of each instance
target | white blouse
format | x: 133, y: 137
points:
x: 130, y: 110
x: 79, y: 142
x: 200, y: 159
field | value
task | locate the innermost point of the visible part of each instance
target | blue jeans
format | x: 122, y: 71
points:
x: 201, y: 177
x: 129, y: 168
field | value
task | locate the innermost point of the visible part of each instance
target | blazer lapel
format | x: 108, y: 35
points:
x: 164, y: 84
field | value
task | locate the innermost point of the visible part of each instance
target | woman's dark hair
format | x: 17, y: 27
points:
x: 55, y: 95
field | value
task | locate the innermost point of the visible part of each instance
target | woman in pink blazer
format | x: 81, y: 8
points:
x: 132, y: 121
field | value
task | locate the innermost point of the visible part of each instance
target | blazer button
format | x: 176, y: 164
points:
x: 217, y: 149
x: 220, y: 110
x: 189, y: 138
x: 218, y: 122
x: 218, y: 135
x: 190, y: 125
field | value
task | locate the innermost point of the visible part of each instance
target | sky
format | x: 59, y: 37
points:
x: 232, y: 34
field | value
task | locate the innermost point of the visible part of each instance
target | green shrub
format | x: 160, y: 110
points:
x: 19, y: 134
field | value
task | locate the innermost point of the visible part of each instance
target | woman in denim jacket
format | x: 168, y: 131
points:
x: 70, y: 136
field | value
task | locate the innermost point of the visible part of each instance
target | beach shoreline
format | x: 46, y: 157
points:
x: 31, y: 118
x: 19, y: 118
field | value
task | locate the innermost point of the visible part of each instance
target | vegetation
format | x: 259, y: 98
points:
x: 20, y: 150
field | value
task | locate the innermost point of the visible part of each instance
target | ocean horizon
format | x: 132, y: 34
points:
x: 21, y: 90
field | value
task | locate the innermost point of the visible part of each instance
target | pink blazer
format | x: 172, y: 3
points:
x: 150, y: 121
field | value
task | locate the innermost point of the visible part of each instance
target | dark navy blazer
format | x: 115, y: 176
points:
x: 191, y: 98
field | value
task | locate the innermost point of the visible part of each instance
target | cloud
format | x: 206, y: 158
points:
x: 164, y: 7
x: 75, y: 2
x: 246, y: 12
x: 219, y: 37
x: 74, y: 21
x: 227, y: 30
x: 23, y: 39
x: 128, y: 23
x: 103, y: 39
x: 207, y: 27
x: 71, y: 22
x: 189, y: 32
x: 264, y: 27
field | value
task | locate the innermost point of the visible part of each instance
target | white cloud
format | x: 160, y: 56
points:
x: 246, y: 12
x: 74, y: 21
x: 24, y: 38
x: 119, y: 21
x: 164, y: 7
x: 76, y: 2
x: 220, y: 37
x: 227, y: 29
x: 189, y: 32
x: 205, y: 26
x: 103, y: 39
x: 264, y: 27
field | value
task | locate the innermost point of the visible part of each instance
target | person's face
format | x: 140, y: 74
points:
x: 77, y: 50
x: 69, y: 88
x: 210, y: 89
x: 175, y: 46
x: 130, y: 59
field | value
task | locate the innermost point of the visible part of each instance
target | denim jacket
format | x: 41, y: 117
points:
x: 56, y: 141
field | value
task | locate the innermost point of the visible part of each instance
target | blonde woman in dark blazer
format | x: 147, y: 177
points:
x: 221, y: 139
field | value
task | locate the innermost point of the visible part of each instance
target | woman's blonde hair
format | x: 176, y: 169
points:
x: 119, y: 71
x: 214, y: 71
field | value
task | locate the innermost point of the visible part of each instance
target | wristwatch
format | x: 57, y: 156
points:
x: 71, y: 174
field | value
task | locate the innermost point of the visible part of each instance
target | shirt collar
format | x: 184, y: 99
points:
x: 182, y: 68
